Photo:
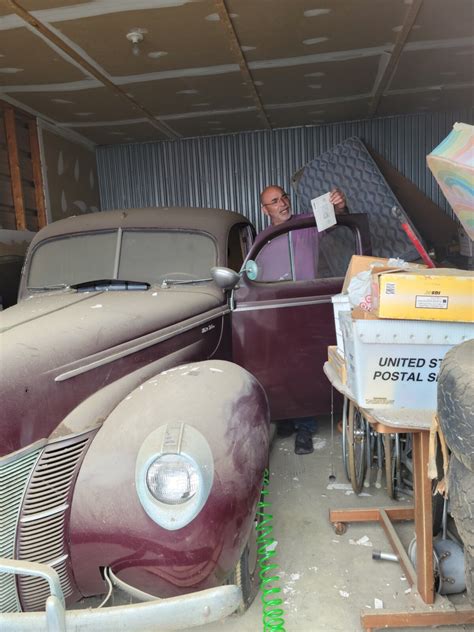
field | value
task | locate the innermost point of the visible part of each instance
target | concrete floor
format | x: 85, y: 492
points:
x: 328, y: 580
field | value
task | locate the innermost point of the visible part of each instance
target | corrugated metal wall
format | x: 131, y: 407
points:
x: 229, y: 171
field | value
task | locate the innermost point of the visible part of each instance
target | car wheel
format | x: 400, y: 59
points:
x: 461, y: 504
x: 245, y: 574
x: 456, y: 402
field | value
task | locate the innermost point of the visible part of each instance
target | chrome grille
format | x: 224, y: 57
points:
x: 45, y: 511
x: 14, y: 476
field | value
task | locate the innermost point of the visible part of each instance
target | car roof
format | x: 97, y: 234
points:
x: 217, y: 222
x: 208, y: 219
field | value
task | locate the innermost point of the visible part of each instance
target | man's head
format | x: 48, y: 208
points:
x: 276, y: 204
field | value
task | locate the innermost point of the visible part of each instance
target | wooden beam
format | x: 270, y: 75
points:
x: 400, y: 42
x: 37, y: 176
x: 237, y: 51
x: 423, y: 517
x: 89, y: 68
x: 371, y: 514
x: 14, y: 162
x: 398, y: 547
x: 413, y: 619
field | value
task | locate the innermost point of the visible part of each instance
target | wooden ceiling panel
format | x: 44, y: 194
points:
x: 318, y: 114
x: 442, y: 100
x: 271, y: 29
x: 222, y: 66
x: 192, y: 95
x: 443, y: 19
x: 217, y: 124
x: 26, y: 59
x: 113, y: 134
x: 434, y: 68
x: 174, y: 37
x: 78, y: 106
x: 314, y: 82
x: 41, y: 5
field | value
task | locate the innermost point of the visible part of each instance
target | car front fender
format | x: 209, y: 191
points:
x: 108, y: 524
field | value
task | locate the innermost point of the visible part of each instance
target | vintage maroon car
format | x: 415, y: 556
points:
x: 137, y: 369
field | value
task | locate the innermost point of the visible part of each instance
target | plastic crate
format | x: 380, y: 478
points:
x: 395, y: 363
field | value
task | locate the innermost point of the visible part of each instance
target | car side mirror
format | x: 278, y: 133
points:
x: 227, y: 279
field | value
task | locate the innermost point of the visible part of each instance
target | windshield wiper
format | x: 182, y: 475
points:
x: 108, y: 285
x: 167, y: 282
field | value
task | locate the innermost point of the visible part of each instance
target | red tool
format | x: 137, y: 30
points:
x: 413, y: 238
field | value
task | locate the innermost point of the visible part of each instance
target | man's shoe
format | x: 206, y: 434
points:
x: 303, y: 442
x: 285, y: 428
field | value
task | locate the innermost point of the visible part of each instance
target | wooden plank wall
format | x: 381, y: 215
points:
x: 21, y: 188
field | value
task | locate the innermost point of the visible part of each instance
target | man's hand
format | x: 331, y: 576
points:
x: 338, y: 200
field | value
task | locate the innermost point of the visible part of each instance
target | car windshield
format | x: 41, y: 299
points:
x: 133, y: 255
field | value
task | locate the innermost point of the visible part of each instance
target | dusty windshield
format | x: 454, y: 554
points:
x: 133, y: 255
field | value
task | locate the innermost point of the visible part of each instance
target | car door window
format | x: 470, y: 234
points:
x: 305, y: 254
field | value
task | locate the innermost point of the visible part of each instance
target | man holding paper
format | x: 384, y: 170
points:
x: 301, y: 245
x: 294, y: 256
x: 276, y: 203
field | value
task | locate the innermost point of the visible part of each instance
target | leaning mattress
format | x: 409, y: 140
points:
x: 351, y: 168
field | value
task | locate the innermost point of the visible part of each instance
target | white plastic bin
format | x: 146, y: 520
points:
x: 340, y: 303
x: 395, y: 363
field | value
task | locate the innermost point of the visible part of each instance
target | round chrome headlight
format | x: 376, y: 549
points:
x: 172, y: 479
x: 174, y: 472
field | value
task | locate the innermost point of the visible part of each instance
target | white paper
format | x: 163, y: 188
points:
x: 323, y: 212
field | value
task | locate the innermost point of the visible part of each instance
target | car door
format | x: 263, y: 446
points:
x: 281, y: 327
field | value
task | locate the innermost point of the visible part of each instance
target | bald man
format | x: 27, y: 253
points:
x: 292, y: 256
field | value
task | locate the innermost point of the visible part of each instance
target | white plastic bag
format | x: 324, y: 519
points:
x: 359, y: 289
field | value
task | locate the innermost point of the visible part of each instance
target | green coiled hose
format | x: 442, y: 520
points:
x: 272, y: 611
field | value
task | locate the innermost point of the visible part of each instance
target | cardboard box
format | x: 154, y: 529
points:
x: 443, y: 294
x: 336, y: 360
x: 359, y: 263
x: 395, y: 363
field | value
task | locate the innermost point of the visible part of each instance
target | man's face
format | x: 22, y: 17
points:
x: 276, y: 204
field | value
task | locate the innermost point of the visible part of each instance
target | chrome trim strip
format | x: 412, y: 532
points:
x: 247, y: 307
x: 216, y: 313
x: 44, y: 514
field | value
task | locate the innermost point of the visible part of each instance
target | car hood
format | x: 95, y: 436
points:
x: 155, y: 307
x: 48, y: 335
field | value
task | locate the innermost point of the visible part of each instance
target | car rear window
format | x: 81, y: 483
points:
x: 132, y: 255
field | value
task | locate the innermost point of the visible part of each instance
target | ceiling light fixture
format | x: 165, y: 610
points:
x: 135, y: 36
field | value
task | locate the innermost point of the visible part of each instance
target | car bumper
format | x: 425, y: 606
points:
x: 174, y: 613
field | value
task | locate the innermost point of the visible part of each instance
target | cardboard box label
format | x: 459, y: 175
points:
x: 431, y: 302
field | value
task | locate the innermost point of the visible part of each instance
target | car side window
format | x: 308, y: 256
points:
x: 305, y: 254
